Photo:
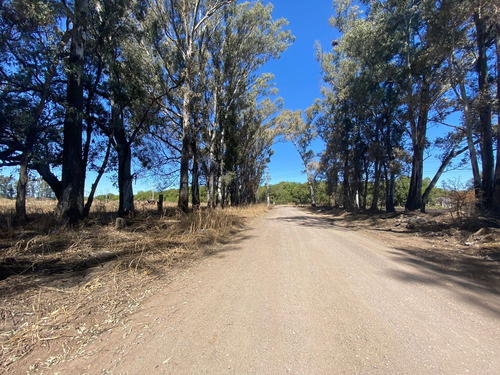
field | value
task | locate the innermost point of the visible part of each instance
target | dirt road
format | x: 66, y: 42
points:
x: 295, y: 294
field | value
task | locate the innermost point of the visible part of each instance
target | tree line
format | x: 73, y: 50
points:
x: 400, y: 67
x: 173, y: 86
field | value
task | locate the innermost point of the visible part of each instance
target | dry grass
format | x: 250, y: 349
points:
x: 66, y: 286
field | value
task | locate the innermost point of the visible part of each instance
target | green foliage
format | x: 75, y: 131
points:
x: 107, y: 197
x: 170, y: 195
x: 403, y: 187
x: 401, y: 190
x: 294, y: 193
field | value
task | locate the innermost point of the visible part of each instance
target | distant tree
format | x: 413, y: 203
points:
x: 301, y: 133
x: 7, y: 187
x: 40, y: 189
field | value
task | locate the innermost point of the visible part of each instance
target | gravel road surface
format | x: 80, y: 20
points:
x: 296, y: 294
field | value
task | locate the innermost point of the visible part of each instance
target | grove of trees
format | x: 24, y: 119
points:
x: 172, y: 85
x: 400, y: 67
x: 174, y: 88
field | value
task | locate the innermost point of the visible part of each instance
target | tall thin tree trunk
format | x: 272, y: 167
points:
x: 390, y: 187
x: 376, y: 187
x: 70, y: 206
x: 183, y: 203
x: 484, y: 109
x: 418, y: 137
x: 100, y: 173
x: 388, y: 172
x: 335, y: 190
x: 364, y: 185
x: 496, y: 189
x: 476, y: 174
x: 346, y: 195
x: 22, y: 183
x: 195, y: 185
x: 414, y: 200
x: 332, y: 188
x: 310, y: 182
x: 211, y: 200
x: 220, y: 183
x: 122, y: 146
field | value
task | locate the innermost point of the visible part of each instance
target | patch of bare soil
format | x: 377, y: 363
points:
x: 61, y: 288
x: 467, y: 247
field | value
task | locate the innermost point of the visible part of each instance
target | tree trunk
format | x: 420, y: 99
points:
x: 476, y: 174
x: 387, y: 165
x: 418, y: 138
x: 364, y: 197
x: 376, y: 187
x: 484, y: 109
x: 126, y: 205
x: 50, y: 178
x: 211, y: 200
x: 332, y: 184
x: 183, y: 203
x: 220, y: 184
x: 21, y: 216
x: 100, y: 173
x: 311, y: 191
x: 442, y: 167
x: 335, y: 190
x: 414, y: 200
x: 70, y: 206
x: 122, y: 146
x: 195, y: 185
x: 346, y: 195
x: 496, y: 189
x: 390, y: 186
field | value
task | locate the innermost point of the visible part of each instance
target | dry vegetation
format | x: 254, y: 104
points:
x: 62, y: 287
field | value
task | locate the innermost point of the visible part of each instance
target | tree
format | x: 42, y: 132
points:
x: 181, y: 28
x: 387, y: 74
x: 301, y: 133
x: 31, y: 51
x: 245, y: 39
x: 70, y: 205
x: 131, y: 86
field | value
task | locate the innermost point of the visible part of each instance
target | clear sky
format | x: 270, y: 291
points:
x: 297, y: 74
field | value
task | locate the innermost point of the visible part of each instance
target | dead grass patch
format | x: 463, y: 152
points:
x: 63, y: 287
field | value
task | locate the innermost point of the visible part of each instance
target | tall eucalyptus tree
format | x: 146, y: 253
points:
x: 245, y: 39
x: 180, y: 27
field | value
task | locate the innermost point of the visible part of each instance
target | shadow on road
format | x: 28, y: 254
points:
x: 467, y: 275
x: 309, y: 221
x: 460, y: 275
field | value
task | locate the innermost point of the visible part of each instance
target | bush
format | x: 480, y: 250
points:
x: 462, y: 199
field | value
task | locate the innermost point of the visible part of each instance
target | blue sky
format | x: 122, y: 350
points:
x: 297, y: 74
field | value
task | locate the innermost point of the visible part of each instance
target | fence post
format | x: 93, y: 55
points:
x: 160, y: 204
